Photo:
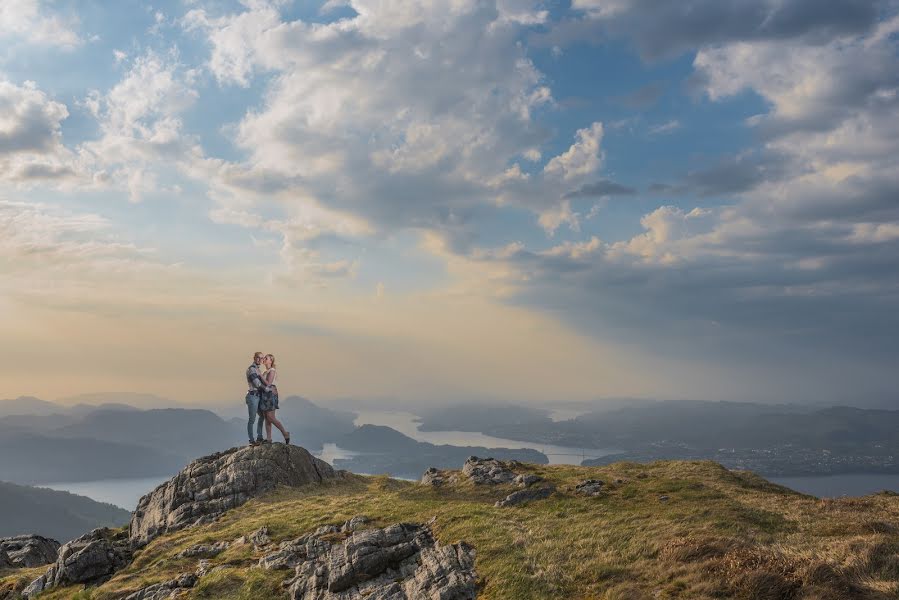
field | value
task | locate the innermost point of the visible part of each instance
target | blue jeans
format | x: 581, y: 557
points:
x: 252, y: 409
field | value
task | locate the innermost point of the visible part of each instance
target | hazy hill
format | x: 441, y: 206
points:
x: 685, y: 530
x: 188, y: 432
x: 83, y: 442
x: 28, y: 405
x: 30, y: 458
x: 58, y: 515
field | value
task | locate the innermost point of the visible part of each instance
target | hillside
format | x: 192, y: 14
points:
x: 58, y: 515
x: 663, y: 530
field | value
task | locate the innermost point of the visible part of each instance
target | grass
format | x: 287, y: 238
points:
x: 720, y: 534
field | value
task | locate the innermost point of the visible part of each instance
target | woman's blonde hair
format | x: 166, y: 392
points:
x: 271, y: 356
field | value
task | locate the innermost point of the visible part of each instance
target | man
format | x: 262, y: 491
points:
x: 255, y: 387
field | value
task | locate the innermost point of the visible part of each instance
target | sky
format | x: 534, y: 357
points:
x: 439, y: 200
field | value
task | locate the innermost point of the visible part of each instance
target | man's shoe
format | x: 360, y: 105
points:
x: 252, y: 443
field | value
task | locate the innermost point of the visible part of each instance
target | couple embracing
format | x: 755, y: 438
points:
x: 262, y: 399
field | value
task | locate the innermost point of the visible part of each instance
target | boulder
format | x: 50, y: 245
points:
x: 399, y: 562
x: 203, y: 550
x: 589, y: 487
x: 90, y: 559
x: 354, y: 523
x: 527, y: 479
x: 433, y: 477
x: 168, y: 589
x: 487, y: 471
x: 209, y: 486
x: 5, y: 562
x: 29, y: 550
x: 525, y: 495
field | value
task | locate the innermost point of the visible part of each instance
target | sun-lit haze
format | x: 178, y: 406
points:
x: 451, y: 199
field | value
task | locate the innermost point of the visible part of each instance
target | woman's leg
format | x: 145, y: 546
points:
x: 271, y: 419
x: 268, y: 425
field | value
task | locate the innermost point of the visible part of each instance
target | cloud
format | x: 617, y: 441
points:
x: 600, y: 188
x: 33, y: 23
x: 668, y: 29
x: 583, y: 157
x: 140, y: 125
x: 30, y: 121
x: 31, y: 148
x: 665, y: 128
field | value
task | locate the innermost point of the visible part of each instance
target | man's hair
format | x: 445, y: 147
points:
x: 258, y: 355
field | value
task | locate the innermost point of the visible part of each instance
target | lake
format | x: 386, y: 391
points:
x: 122, y: 492
x: 407, y: 423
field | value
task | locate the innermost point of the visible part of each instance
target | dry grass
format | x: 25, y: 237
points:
x: 720, y: 534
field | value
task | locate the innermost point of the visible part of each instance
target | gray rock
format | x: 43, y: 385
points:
x: 487, y: 471
x: 90, y: 559
x: 260, y: 537
x: 203, y: 550
x: 433, y: 477
x: 213, y: 484
x: 168, y: 589
x: 354, y: 523
x: 589, y: 487
x: 326, y: 530
x: 400, y: 562
x: 525, y: 496
x: 29, y: 550
x: 5, y: 562
x: 663, y: 498
x: 527, y: 479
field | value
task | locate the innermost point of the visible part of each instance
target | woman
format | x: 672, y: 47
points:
x: 268, y: 403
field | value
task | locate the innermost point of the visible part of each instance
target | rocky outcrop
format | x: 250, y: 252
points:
x: 399, y: 562
x: 213, y: 484
x: 5, y: 563
x: 527, y: 479
x: 434, y: 477
x: 589, y: 487
x: 28, y: 550
x: 525, y: 495
x: 487, y: 471
x: 203, y: 550
x: 90, y: 559
x: 168, y: 589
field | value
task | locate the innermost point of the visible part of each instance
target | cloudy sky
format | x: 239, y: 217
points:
x: 443, y: 199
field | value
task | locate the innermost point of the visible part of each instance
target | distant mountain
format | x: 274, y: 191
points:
x: 28, y: 405
x: 386, y: 450
x: 29, y: 458
x: 57, y: 443
x: 58, y: 515
x: 479, y: 417
x: 132, y: 399
x: 187, y: 432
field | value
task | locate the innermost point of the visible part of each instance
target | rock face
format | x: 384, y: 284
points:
x: 487, y: 471
x: 5, y: 563
x: 399, y: 562
x: 28, y: 550
x: 90, y: 559
x: 213, y: 484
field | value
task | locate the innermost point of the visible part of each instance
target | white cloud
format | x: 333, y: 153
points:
x: 140, y: 124
x: 665, y: 128
x: 31, y: 148
x: 582, y: 158
x: 31, y: 21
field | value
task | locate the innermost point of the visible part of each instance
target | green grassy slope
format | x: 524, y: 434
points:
x: 720, y: 534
